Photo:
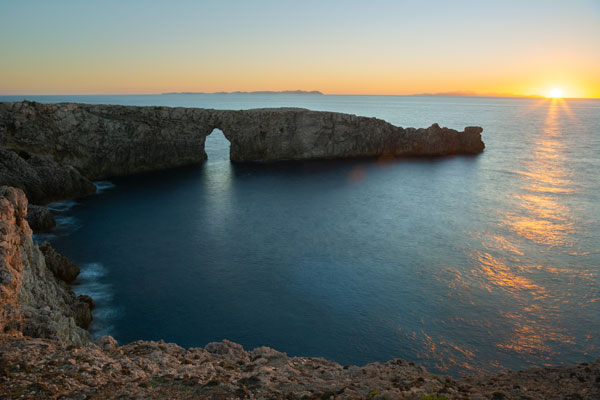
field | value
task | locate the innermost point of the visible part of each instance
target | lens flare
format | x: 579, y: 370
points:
x: 556, y: 93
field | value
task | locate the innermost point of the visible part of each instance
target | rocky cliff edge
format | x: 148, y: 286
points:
x: 33, y: 301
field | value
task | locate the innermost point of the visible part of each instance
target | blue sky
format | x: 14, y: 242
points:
x: 335, y: 46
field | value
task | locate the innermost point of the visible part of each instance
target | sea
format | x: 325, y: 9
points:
x: 460, y: 263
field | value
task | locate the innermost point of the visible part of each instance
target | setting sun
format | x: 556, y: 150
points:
x: 556, y: 93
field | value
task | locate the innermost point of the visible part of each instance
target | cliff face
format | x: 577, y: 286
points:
x: 102, y: 140
x: 14, y: 232
x: 298, y: 134
x: 32, y: 301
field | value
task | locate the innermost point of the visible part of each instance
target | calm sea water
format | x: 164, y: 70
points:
x: 490, y: 261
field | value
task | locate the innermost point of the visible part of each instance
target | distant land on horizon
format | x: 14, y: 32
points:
x: 254, y: 92
x: 457, y: 93
x: 470, y: 93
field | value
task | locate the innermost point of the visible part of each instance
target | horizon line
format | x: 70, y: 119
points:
x: 449, y: 94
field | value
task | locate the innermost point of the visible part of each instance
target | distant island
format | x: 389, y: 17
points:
x: 255, y: 92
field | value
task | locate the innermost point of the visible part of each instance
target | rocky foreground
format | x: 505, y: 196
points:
x: 37, y: 368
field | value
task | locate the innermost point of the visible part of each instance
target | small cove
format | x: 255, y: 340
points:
x: 459, y: 262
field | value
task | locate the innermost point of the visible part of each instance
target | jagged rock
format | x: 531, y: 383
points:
x: 42, y: 179
x: 268, y: 356
x: 266, y: 352
x: 46, y: 302
x: 53, y: 324
x: 40, y: 219
x: 14, y: 230
x: 82, y: 311
x: 107, y: 343
x: 62, y: 268
x: 32, y: 301
x: 227, y: 349
x: 109, y: 140
x: 88, y: 300
x: 37, y: 368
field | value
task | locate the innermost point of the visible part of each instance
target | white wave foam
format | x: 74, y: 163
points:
x: 106, y: 313
x: 91, y: 283
x: 68, y: 224
x: 98, y: 291
x: 62, y: 206
x: 91, y: 271
x: 101, y: 186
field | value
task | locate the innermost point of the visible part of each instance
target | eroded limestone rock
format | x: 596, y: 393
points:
x: 37, y: 368
x: 32, y: 301
x: 14, y: 231
x: 40, y: 219
x: 82, y: 311
x: 109, y: 140
x: 62, y: 268
x: 41, y: 178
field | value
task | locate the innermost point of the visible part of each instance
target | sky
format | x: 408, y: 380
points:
x: 338, y: 47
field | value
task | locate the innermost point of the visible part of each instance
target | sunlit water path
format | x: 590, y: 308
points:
x: 461, y: 262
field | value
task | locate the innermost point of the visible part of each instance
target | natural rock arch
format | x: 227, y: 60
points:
x: 109, y: 140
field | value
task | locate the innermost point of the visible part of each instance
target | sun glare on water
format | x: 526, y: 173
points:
x: 556, y: 93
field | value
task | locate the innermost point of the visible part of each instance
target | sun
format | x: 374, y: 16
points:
x: 556, y: 93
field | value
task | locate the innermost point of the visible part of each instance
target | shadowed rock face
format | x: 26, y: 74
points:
x: 42, y: 179
x: 62, y: 268
x: 102, y: 140
x: 40, y: 219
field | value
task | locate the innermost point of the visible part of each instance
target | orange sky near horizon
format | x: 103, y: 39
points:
x: 351, y: 47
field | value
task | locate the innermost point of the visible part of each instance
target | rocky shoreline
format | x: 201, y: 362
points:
x: 45, y: 348
x: 42, y: 368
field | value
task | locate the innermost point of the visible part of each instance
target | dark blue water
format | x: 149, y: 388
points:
x: 490, y: 261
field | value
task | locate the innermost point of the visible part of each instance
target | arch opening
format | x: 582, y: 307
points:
x: 217, y: 146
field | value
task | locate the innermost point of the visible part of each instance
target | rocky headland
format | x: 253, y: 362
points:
x: 53, y: 152
x: 101, y: 141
